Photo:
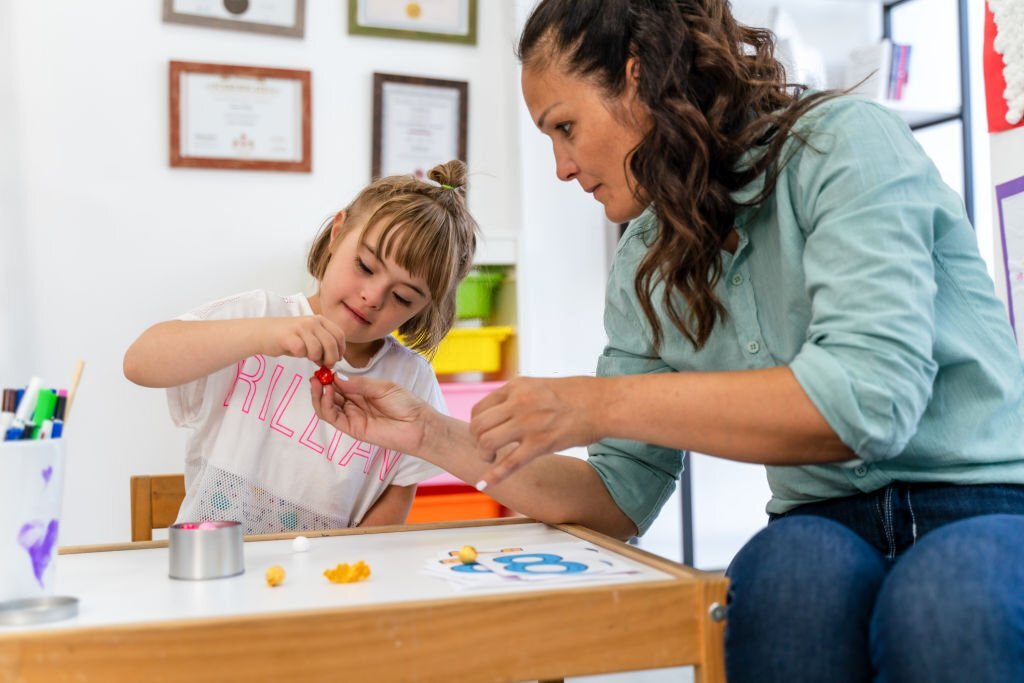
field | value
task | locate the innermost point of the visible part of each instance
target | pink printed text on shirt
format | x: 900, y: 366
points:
x: 254, y: 381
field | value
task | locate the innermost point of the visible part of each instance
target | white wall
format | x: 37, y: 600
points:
x: 110, y: 239
x: 14, y: 312
x: 563, y: 258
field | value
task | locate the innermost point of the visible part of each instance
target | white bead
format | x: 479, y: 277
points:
x: 300, y: 544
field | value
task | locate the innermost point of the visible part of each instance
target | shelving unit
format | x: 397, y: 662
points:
x: 920, y: 120
x: 470, y: 363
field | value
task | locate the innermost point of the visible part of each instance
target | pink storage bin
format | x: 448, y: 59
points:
x: 462, y: 396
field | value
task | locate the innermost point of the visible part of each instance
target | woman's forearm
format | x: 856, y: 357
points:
x: 555, y: 489
x: 758, y: 416
x: 179, y: 351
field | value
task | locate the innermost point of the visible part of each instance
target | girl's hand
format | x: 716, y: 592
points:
x: 375, y: 411
x: 528, y: 417
x: 312, y: 336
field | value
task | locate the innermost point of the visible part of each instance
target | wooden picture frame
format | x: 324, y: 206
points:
x: 417, y: 123
x: 447, y: 21
x: 272, y: 17
x: 240, y: 117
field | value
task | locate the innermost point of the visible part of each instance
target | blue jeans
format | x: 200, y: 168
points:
x: 913, y: 582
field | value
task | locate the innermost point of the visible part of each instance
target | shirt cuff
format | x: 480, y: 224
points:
x: 638, y: 490
x: 861, y: 414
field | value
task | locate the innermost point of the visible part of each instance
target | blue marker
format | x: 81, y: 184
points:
x: 24, y: 412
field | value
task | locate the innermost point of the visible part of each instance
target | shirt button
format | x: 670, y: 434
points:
x: 737, y: 280
x: 860, y: 470
x: 753, y: 347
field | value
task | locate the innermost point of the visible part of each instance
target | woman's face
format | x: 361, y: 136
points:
x: 591, y: 135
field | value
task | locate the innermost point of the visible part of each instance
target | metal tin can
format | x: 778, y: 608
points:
x: 205, y: 550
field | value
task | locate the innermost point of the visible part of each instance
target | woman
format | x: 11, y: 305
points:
x: 797, y: 288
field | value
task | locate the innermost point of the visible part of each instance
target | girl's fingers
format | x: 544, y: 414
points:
x: 319, y: 351
x: 314, y: 349
x: 329, y: 347
x: 334, y: 339
x: 337, y: 335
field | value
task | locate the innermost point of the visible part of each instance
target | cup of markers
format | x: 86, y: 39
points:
x: 33, y: 412
x: 32, y: 459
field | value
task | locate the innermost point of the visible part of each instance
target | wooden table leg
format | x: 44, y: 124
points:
x: 712, y: 670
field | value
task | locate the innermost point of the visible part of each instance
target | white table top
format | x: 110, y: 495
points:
x: 132, y: 586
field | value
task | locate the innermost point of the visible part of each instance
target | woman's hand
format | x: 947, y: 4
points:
x: 375, y: 411
x: 529, y: 417
x: 311, y: 336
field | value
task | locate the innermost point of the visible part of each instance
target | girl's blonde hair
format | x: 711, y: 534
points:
x: 427, y: 229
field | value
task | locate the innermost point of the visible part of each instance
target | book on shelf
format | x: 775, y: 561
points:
x: 878, y: 71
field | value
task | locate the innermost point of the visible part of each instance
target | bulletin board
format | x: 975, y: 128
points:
x: 1010, y: 215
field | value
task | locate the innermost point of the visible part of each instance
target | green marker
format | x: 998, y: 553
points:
x: 45, y: 404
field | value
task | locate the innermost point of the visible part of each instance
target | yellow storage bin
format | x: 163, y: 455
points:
x: 471, y: 349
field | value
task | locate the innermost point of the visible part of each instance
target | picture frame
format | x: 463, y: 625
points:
x: 417, y: 123
x: 240, y: 117
x: 448, y: 21
x: 272, y: 17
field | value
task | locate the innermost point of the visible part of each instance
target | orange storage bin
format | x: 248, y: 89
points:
x: 452, y: 506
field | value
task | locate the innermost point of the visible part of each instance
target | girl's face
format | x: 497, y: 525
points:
x: 590, y: 135
x: 369, y: 297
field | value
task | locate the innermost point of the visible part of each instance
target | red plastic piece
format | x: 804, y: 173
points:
x: 325, y: 375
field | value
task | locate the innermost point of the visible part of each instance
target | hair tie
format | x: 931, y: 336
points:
x: 443, y: 186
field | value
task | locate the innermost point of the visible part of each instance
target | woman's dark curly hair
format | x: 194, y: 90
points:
x: 714, y: 91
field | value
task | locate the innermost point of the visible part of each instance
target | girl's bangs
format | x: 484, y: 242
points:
x: 417, y: 241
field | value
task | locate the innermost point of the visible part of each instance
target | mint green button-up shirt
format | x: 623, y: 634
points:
x: 861, y: 273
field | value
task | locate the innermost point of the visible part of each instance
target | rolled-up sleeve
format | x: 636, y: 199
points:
x: 868, y: 199
x: 640, y: 477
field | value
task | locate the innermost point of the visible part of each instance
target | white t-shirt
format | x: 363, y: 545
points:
x: 257, y: 453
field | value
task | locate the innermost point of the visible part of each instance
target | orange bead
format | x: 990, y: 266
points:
x: 275, y: 576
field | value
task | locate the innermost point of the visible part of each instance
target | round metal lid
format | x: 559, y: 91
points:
x: 37, y: 610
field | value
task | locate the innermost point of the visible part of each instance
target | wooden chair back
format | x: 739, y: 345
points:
x: 155, y: 502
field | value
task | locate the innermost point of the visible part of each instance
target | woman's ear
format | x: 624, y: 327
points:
x: 339, y: 220
x: 630, y: 100
x: 633, y: 73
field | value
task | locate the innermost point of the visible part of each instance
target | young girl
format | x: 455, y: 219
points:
x: 256, y: 452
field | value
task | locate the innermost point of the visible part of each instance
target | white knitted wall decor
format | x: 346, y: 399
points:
x: 1009, y: 42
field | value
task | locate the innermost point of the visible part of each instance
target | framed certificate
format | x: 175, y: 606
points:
x: 276, y: 17
x: 417, y: 123
x: 242, y: 117
x: 451, y: 21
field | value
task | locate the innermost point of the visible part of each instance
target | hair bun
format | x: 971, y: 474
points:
x: 451, y: 173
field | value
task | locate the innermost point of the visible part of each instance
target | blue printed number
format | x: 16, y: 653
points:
x: 471, y: 568
x: 540, y: 563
